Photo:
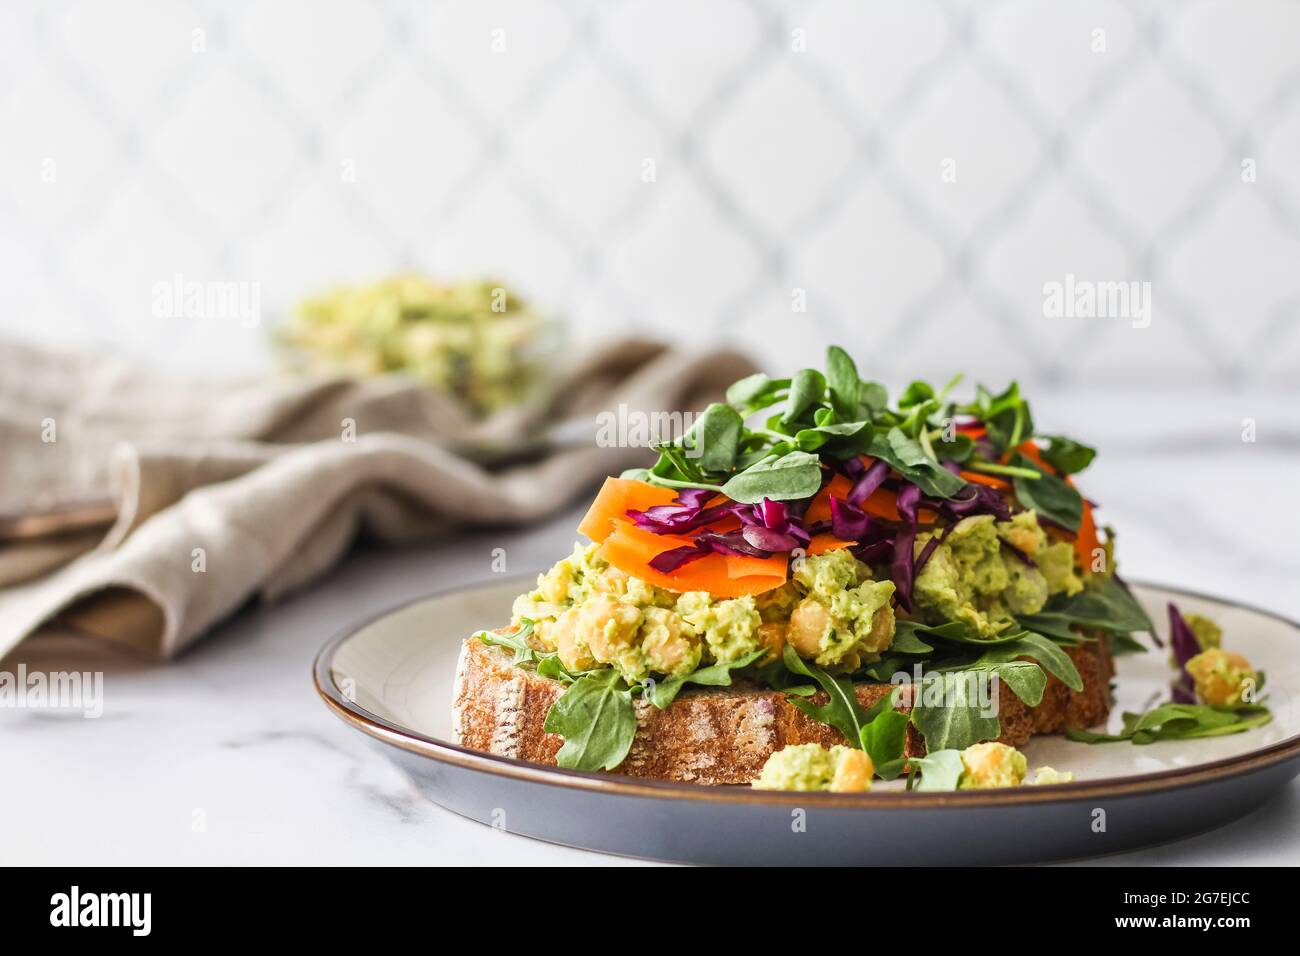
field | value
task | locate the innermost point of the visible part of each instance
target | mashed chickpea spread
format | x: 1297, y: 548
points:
x: 814, y: 767
x: 593, y: 614
x: 971, y: 577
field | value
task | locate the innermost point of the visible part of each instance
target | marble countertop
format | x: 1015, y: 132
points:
x: 227, y: 756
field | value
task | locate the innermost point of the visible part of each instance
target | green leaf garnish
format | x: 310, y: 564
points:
x: 946, y: 715
x: 842, y: 711
x: 792, y: 476
x: 715, y: 675
x: 1180, y: 722
x: 939, y: 771
x: 596, y: 719
x: 1066, y: 455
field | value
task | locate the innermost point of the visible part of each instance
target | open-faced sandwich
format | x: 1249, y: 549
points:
x: 814, y: 587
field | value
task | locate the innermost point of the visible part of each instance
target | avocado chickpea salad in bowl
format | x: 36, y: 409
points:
x: 816, y: 588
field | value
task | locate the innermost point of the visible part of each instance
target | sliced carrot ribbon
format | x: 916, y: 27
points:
x: 618, y: 496
x: 631, y: 549
x: 991, y: 481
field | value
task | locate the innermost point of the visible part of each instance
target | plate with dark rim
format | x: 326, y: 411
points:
x: 390, y: 677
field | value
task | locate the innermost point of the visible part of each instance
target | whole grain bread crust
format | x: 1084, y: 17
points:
x: 724, y: 735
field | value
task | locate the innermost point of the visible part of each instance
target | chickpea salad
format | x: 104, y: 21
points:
x: 807, y: 534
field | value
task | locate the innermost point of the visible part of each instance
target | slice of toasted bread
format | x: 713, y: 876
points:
x: 724, y: 735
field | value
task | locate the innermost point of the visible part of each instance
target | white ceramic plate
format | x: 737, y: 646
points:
x: 391, y: 678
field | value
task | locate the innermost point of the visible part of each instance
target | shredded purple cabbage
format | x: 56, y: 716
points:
x: 1185, y: 646
x: 848, y: 523
x: 903, y: 567
x: 666, y: 562
x: 772, y: 513
x: 677, y: 519
x: 877, y: 552
x: 931, y: 545
x: 868, y: 482
x: 975, y: 499
x: 768, y: 539
x: 695, y: 497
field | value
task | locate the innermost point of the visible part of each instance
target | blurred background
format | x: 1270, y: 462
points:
x: 900, y: 178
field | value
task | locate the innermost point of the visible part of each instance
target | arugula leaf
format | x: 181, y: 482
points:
x: 1053, y: 660
x: 842, y: 711
x: 715, y: 675
x: 1067, y: 455
x: 516, y: 641
x: 1053, y: 626
x: 1049, y: 495
x: 956, y: 631
x: 886, y: 735
x: 1105, y: 605
x: 597, y: 721
x: 940, y: 770
x: 891, y: 769
x: 1025, y: 678
x: 956, y: 721
x: 1179, y: 722
x: 548, y: 665
x: 792, y: 476
x: 907, y: 639
x: 1125, y: 644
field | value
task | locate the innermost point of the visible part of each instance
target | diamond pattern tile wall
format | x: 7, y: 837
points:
x: 901, y: 177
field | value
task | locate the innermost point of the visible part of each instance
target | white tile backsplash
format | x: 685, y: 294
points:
x: 918, y: 170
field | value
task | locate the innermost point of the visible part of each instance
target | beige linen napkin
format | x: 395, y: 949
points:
x: 229, y: 491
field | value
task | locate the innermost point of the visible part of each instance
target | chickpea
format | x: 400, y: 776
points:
x: 669, y: 647
x: 771, y: 636
x: 607, y: 626
x: 992, y: 765
x: 853, y: 772
x: 554, y: 585
x: 610, y: 581
x: 543, y: 637
x: 1223, y: 678
x: 808, y: 624
x: 574, y: 653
